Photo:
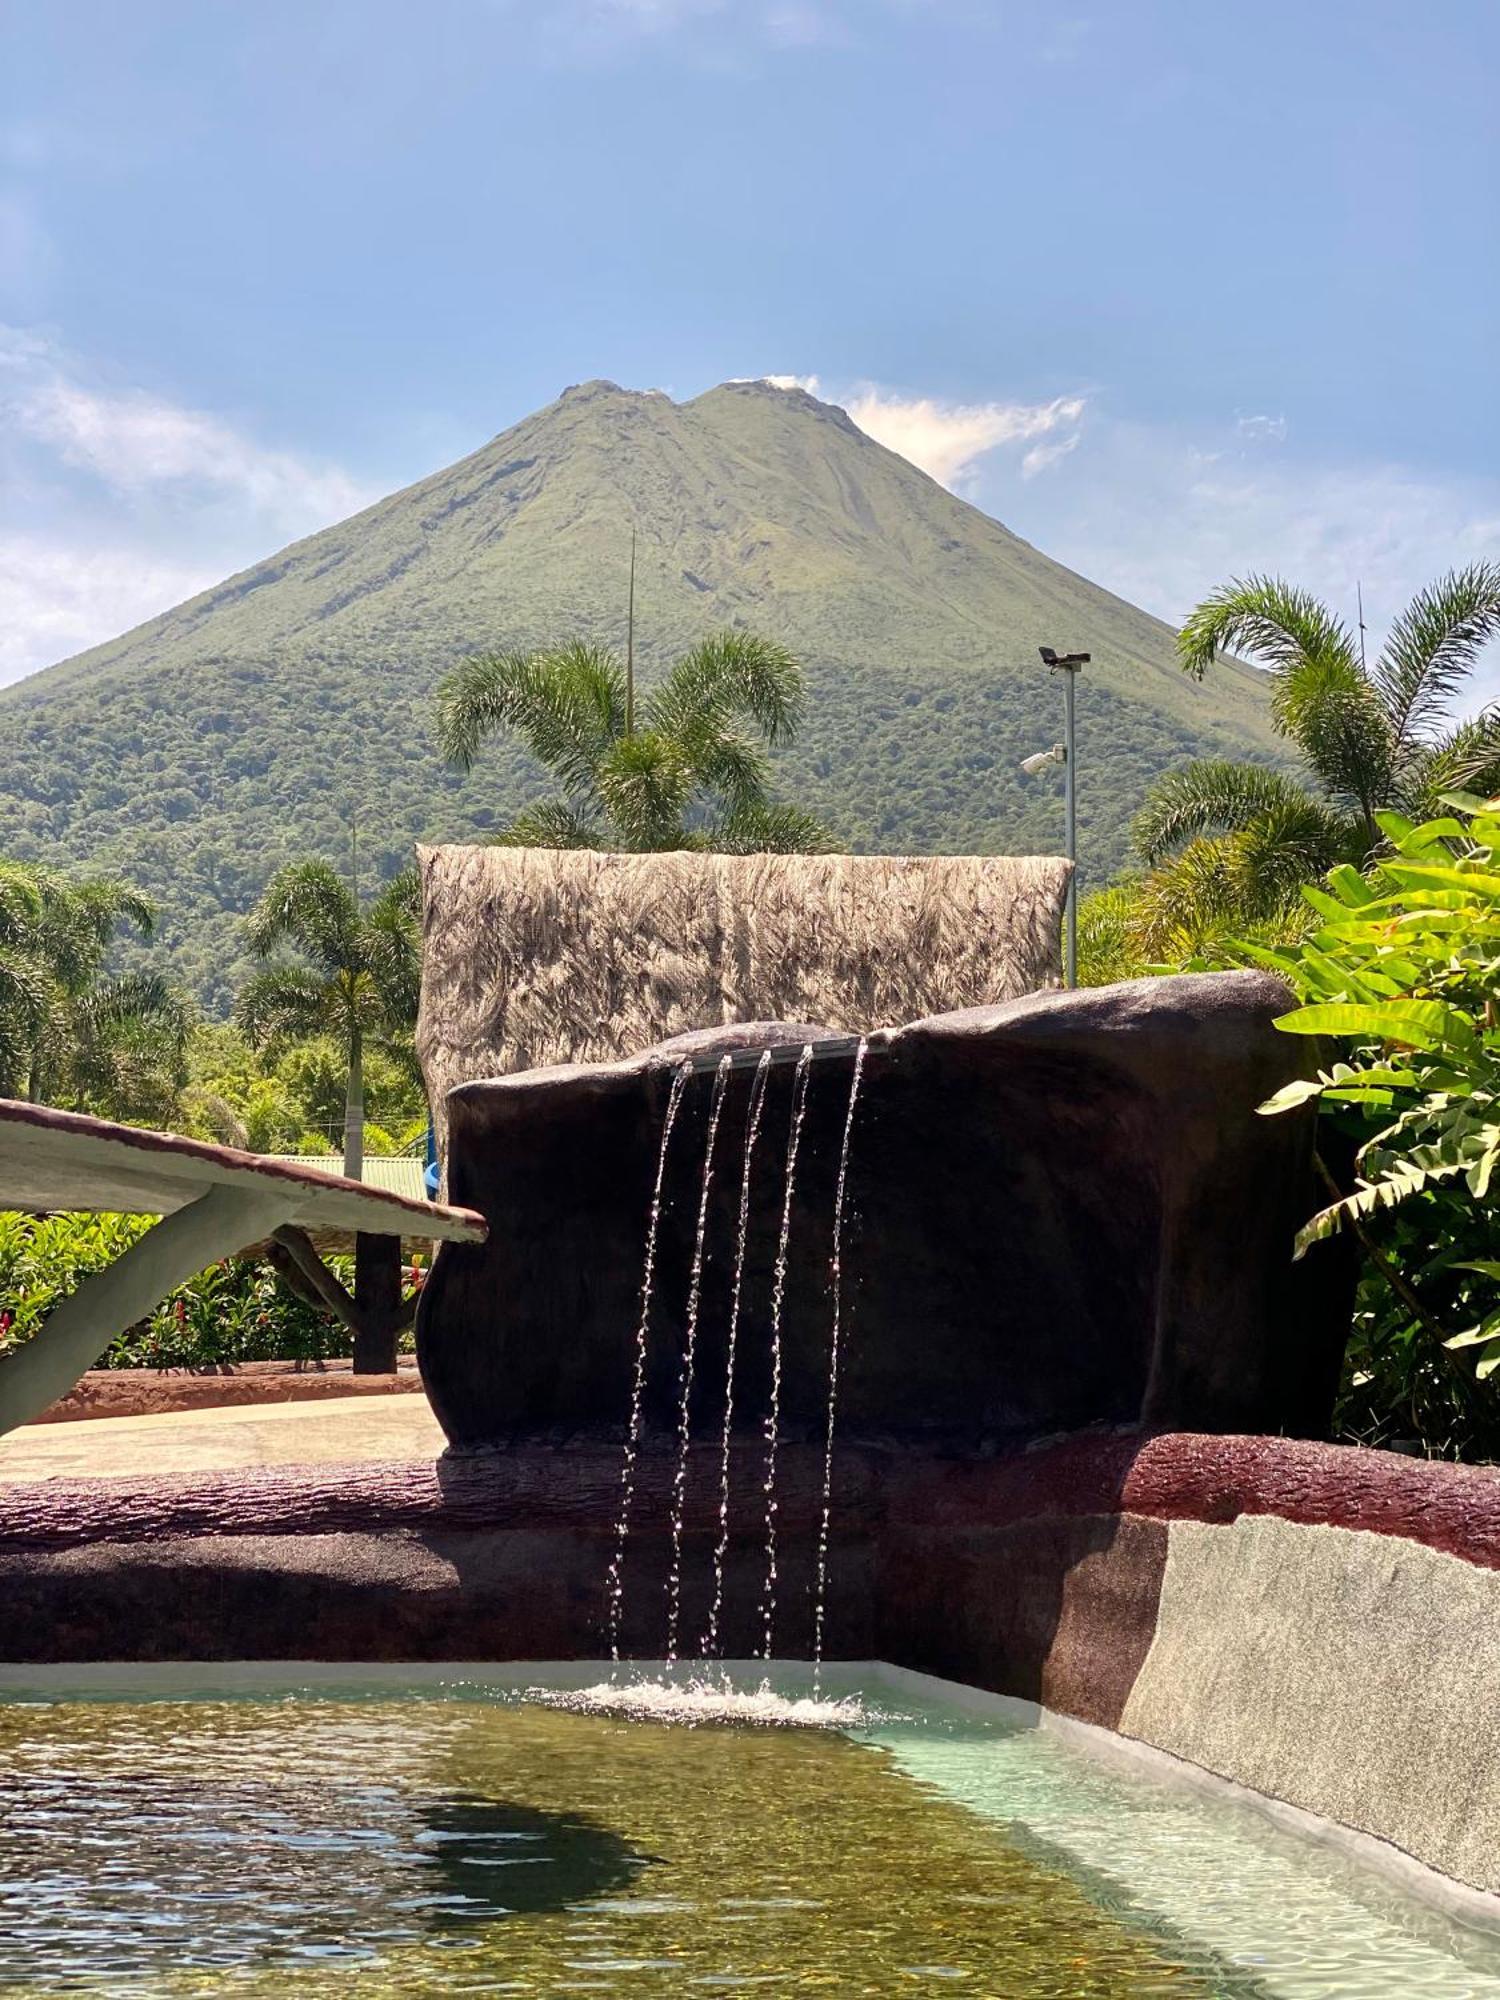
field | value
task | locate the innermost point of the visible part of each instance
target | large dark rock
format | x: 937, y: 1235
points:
x: 1061, y: 1211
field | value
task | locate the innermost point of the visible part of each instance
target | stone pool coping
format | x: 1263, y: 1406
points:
x: 1455, y: 1901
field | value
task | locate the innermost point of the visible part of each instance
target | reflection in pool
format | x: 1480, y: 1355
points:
x: 436, y: 1841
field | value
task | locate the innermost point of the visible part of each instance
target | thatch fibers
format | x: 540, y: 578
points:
x: 535, y: 956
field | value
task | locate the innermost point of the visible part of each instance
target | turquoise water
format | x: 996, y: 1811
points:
x: 195, y: 1833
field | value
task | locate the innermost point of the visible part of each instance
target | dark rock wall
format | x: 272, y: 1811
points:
x: 1061, y: 1211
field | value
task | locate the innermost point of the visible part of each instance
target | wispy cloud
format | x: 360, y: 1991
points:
x: 949, y: 439
x: 1264, y: 429
x: 716, y: 29
x: 1161, y: 515
x: 1041, y: 456
x: 133, y: 441
x: 118, y: 502
x: 58, y: 596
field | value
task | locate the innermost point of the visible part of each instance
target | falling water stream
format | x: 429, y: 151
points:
x: 689, y: 1357
x: 703, y: 1699
x: 721, y: 1546
x: 615, y: 1587
x: 778, y: 1300
x: 836, y: 1277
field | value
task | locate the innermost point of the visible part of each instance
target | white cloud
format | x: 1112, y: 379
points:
x: 1267, y: 430
x: 117, y: 503
x: 56, y: 599
x: 133, y: 441
x: 948, y: 439
x: 1041, y: 456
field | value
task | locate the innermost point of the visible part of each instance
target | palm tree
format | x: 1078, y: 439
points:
x: 1229, y: 844
x: 358, y: 976
x: 70, y: 1034
x: 689, y: 771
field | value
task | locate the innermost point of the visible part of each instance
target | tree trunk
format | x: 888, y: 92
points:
x: 354, y: 1110
x: 377, y: 1302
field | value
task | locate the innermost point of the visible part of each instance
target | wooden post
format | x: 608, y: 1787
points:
x: 377, y: 1303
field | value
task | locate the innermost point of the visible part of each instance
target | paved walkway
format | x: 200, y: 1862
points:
x: 338, y: 1428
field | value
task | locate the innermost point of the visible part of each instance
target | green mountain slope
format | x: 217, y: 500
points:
x: 199, y: 750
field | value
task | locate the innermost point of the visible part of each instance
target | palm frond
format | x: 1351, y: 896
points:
x: 20, y: 904
x: 132, y: 1000
x: 285, y: 1002
x: 768, y: 828
x: 551, y: 823
x: 1290, y: 843
x: 736, y: 771
x: 1332, y: 713
x: 393, y: 949
x: 308, y: 904
x: 1433, y: 645
x: 645, y: 783
x: 1266, y: 618
x: 567, y: 706
x: 1210, y: 795
x: 1196, y: 893
x: 1466, y: 760
x: 26, y: 997
x: 728, y: 676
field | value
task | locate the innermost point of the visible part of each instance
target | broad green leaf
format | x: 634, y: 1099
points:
x: 1475, y: 1336
x: 1346, y: 881
x: 1476, y: 882
x: 1290, y: 1096
x: 1422, y: 1024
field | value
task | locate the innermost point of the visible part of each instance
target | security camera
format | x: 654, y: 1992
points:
x: 1034, y: 765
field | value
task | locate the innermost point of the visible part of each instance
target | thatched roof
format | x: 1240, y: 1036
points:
x: 534, y: 956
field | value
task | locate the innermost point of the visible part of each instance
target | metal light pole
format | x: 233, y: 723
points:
x: 1064, y: 753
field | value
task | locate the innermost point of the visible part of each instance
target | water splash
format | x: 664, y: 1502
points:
x: 721, y: 1546
x: 689, y: 1356
x: 778, y: 1297
x: 836, y: 1271
x: 699, y: 1701
x: 615, y: 1581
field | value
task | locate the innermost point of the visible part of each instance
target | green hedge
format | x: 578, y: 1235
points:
x: 234, y: 1311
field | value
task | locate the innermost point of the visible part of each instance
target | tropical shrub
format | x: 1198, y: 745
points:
x: 234, y: 1311
x: 1404, y: 971
x: 1229, y: 843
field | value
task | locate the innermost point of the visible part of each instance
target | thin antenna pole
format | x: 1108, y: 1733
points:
x: 1359, y: 598
x: 630, y: 647
x: 1070, y: 814
x: 354, y: 853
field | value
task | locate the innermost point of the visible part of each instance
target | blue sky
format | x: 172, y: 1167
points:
x: 1177, y: 288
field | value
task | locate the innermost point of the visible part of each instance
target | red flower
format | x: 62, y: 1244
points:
x: 181, y: 1311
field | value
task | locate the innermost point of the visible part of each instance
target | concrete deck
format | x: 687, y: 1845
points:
x: 343, y: 1429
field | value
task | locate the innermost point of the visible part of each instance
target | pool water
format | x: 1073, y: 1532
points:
x: 453, y: 1838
